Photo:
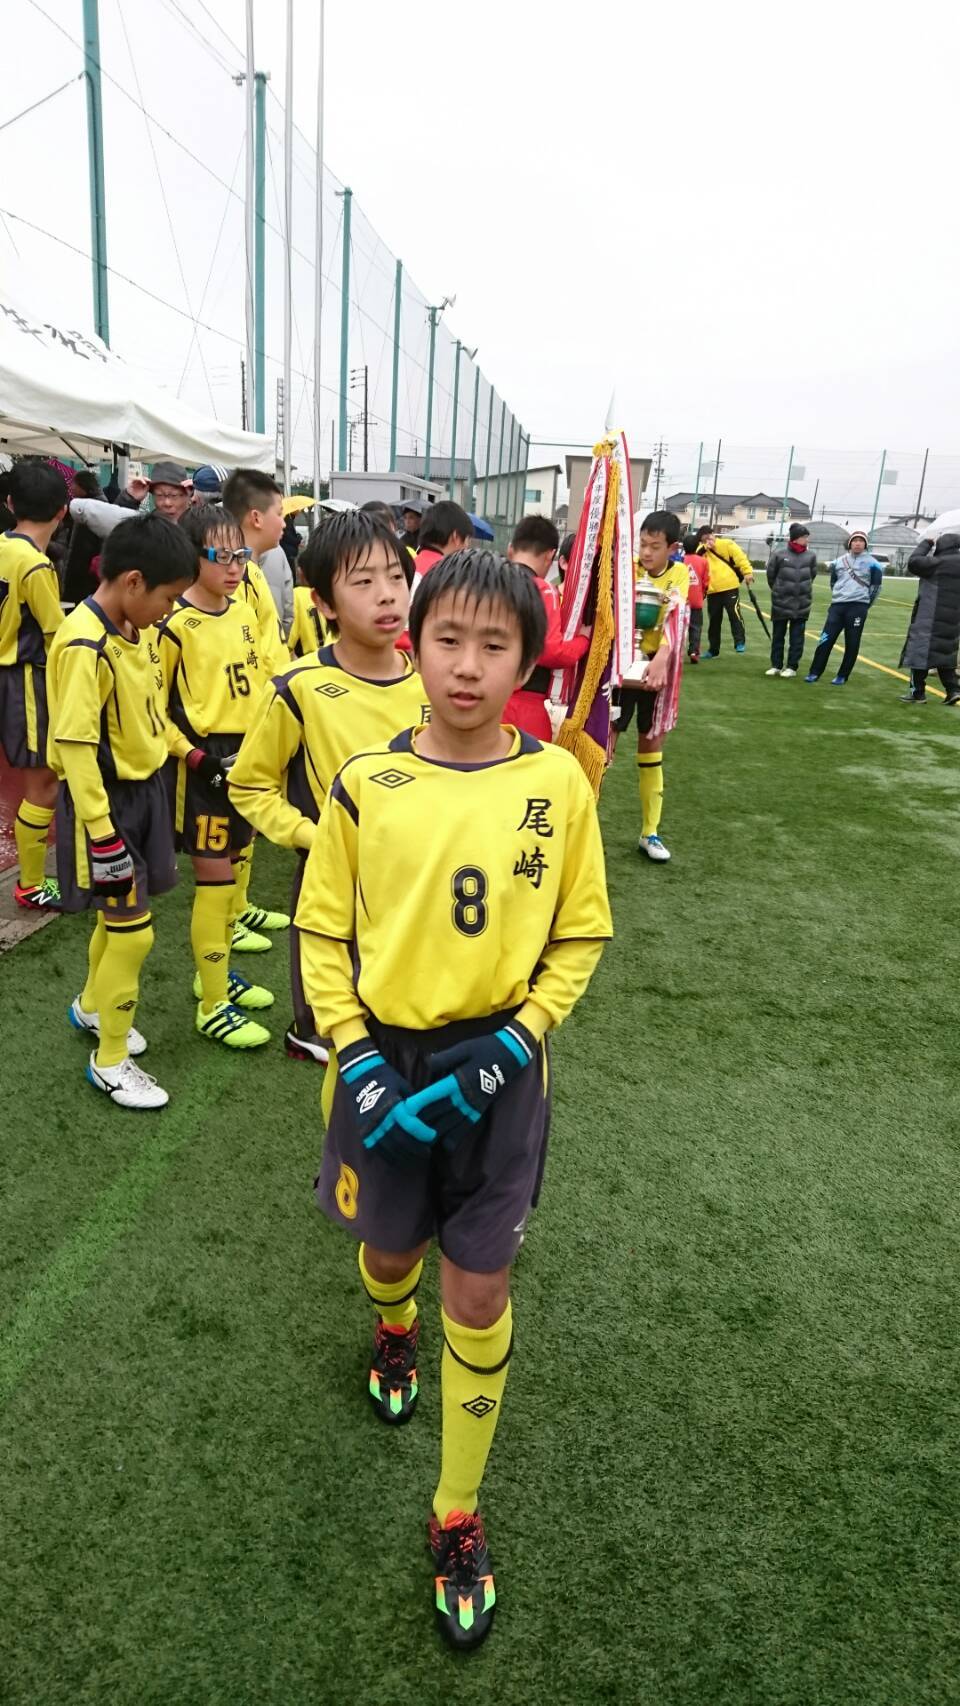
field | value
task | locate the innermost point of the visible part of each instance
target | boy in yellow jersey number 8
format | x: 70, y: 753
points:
x: 459, y: 869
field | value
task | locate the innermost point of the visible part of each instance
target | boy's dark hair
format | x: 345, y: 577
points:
x: 690, y: 543
x: 484, y: 577
x: 37, y: 491
x: 566, y: 546
x: 157, y: 547
x: 535, y: 533
x: 702, y: 533
x: 247, y: 489
x: 441, y: 522
x: 87, y: 483
x: 379, y: 506
x: 663, y: 521
x: 203, y: 522
x: 344, y: 540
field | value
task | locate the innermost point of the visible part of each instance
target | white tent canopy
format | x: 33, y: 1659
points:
x: 63, y: 392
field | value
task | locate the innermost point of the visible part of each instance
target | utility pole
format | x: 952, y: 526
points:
x: 503, y: 419
x: 876, y: 501
x: 486, y: 477
x: 318, y: 283
x: 716, y: 476
x: 660, y: 452
x: 243, y: 394
x: 363, y: 374
x: 813, y: 506
x: 433, y: 315
x: 280, y: 448
x: 513, y: 430
x: 473, y: 436
x: 453, y: 430
x: 286, y: 450
x: 260, y: 166
x: 98, y: 205
x: 249, y: 198
x: 696, y: 489
x: 923, y: 481
x: 347, y: 196
x: 785, y: 514
x: 395, y: 389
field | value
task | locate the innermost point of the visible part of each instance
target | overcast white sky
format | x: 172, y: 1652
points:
x: 742, y: 218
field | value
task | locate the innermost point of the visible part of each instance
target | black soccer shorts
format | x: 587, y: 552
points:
x: 23, y: 715
x: 140, y: 812
x: 206, y: 824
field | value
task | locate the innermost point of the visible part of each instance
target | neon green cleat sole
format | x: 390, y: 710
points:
x: 230, y: 1025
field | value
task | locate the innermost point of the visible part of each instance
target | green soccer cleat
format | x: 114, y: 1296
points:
x: 258, y: 918
x: 248, y: 941
x: 38, y: 897
x: 393, y: 1373
x: 230, y: 1025
x: 464, y: 1594
x: 251, y: 996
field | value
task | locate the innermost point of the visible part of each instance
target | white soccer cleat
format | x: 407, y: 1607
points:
x: 127, y: 1085
x: 786, y: 673
x: 653, y: 847
x: 81, y: 1021
x: 779, y: 672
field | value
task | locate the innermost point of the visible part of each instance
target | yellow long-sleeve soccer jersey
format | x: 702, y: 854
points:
x: 461, y: 891
x: 30, y: 612
x: 213, y: 670
x: 723, y: 574
x: 106, y: 700
x: 675, y: 579
x: 309, y: 721
x: 308, y: 630
x: 255, y: 590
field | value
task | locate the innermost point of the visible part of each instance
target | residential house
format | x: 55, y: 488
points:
x: 540, y: 496
x: 732, y: 509
x: 463, y: 480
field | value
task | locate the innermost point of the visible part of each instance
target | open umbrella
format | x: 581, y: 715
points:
x: 948, y: 522
x: 481, y: 527
x: 293, y: 506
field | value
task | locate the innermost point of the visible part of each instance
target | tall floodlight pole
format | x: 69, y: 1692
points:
x: 288, y: 252
x: 876, y: 501
x: 473, y: 434
x: 503, y: 422
x: 318, y: 285
x: 433, y: 315
x: 716, y: 476
x: 696, y: 487
x: 98, y: 206
x: 486, y: 475
x: 395, y: 389
x: 453, y: 430
x: 260, y: 210
x: 785, y: 516
x: 513, y: 432
x: 347, y: 195
x: 249, y: 220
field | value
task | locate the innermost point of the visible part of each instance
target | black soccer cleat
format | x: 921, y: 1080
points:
x: 393, y: 1384
x: 464, y: 1594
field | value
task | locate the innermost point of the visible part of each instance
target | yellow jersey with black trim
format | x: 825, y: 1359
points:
x: 676, y: 580
x: 107, y: 692
x: 254, y: 589
x: 308, y: 630
x: 309, y: 721
x: 213, y: 668
x: 451, y: 883
x: 30, y: 612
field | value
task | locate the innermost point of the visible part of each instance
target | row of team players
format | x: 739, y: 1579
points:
x: 453, y: 907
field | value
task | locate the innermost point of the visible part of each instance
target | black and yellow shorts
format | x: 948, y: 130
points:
x: 140, y: 812
x: 474, y: 1200
x: 23, y: 715
x: 205, y: 823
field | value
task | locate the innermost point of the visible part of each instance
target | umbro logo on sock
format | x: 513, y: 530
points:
x: 214, y: 958
x: 479, y: 1406
x: 125, y: 1006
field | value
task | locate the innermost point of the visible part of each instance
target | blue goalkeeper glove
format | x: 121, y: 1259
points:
x: 467, y: 1079
x: 378, y: 1097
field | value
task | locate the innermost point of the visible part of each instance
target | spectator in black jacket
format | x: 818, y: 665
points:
x: 933, y: 637
x: 79, y: 579
x: 790, y: 574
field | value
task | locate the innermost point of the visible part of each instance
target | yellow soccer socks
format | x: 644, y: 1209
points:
x: 95, y: 953
x: 473, y: 1374
x: 118, y: 984
x: 211, y: 925
x: 30, y: 831
x: 650, y: 766
x: 395, y: 1301
x: 242, y: 863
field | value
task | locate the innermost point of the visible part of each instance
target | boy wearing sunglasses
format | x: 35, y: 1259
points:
x: 211, y: 672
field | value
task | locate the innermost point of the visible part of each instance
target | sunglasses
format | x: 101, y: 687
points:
x: 220, y: 554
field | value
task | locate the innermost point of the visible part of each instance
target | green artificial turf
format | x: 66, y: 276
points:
x: 727, y: 1470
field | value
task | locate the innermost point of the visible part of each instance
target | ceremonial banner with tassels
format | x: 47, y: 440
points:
x: 598, y: 592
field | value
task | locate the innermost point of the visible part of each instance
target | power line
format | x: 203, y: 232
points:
x: 41, y: 103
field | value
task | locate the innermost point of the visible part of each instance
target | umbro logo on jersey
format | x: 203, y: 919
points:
x: 331, y: 690
x: 479, y: 1406
x: 192, y: 622
x: 392, y: 778
x: 369, y: 1101
x: 491, y: 1082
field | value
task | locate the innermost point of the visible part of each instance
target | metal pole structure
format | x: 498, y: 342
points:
x: 318, y: 286
x: 813, y: 506
x: 366, y: 418
x: 98, y: 205
x: 696, y: 489
x: 785, y: 514
x: 345, y: 325
x: 509, y: 504
x: 526, y: 467
x: 519, y: 494
x: 453, y: 429
x: 287, y: 251
x: 249, y: 221
x: 486, y: 477
x: 923, y: 481
x: 260, y: 160
x: 432, y: 313
x: 395, y: 392
x: 473, y: 436
x: 716, y: 476
x: 876, y: 501
x: 503, y: 419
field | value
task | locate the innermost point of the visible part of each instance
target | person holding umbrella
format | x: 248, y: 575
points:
x: 790, y: 576
x: 855, y: 582
x: 933, y: 638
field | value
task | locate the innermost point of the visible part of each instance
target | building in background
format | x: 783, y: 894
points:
x: 359, y: 488
x: 541, y: 493
x: 578, y: 472
x: 732, y: 509
x: 463, y: 481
